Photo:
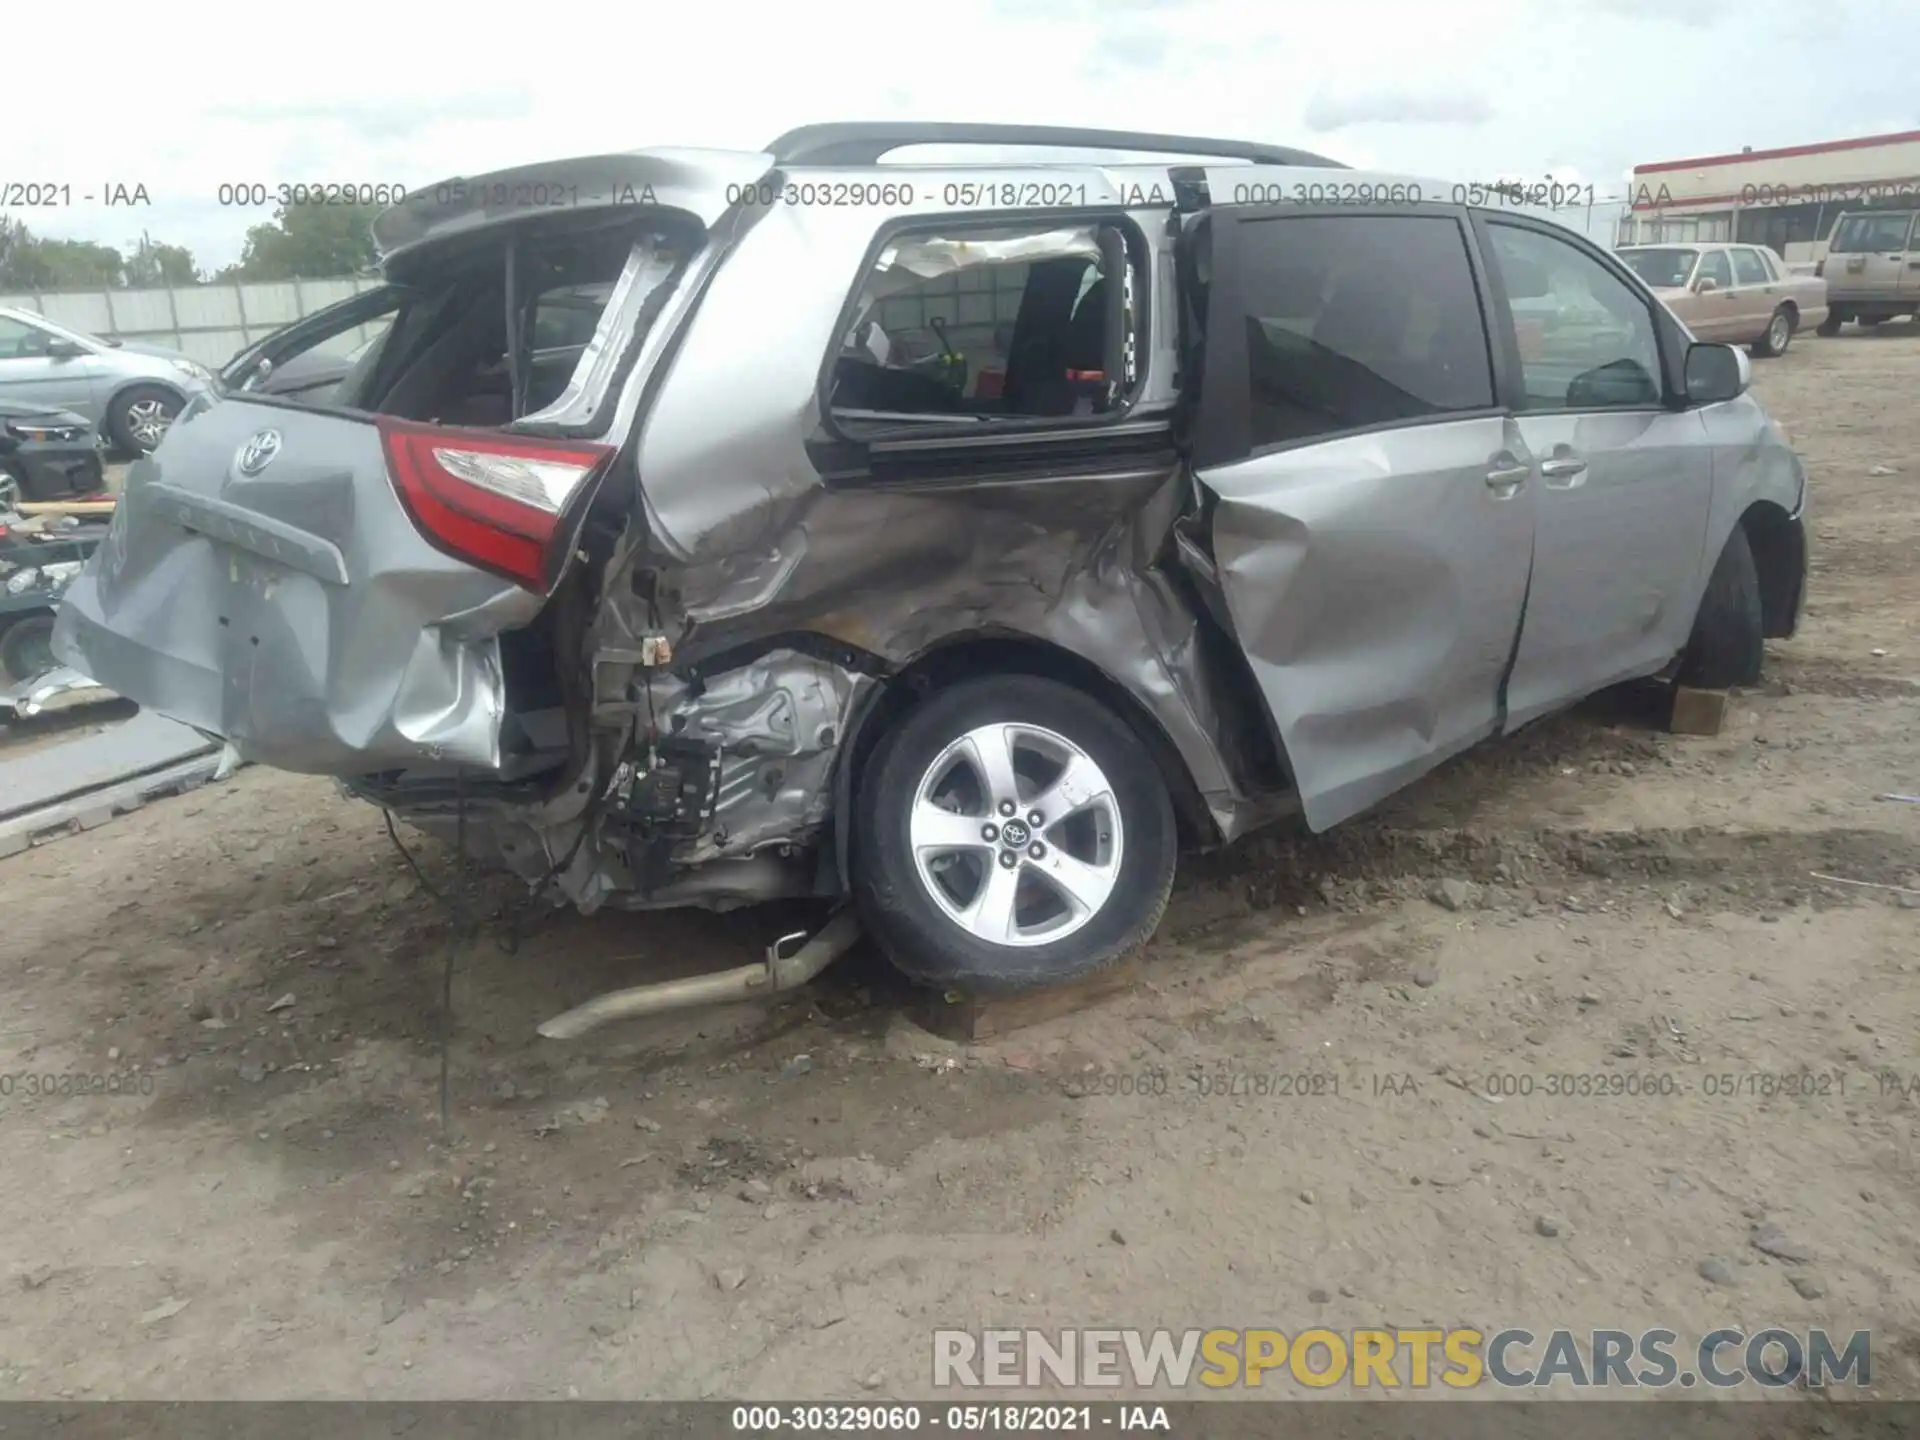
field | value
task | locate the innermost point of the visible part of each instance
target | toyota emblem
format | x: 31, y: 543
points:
x: 258, y: 452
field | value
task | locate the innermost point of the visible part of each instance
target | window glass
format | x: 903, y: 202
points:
x: 1748, y: 268
x: 976, y: 325
x: 1714, y: 267
x: 1586, y: 339
x: 1664, y: 269
x: 1860, y: 233
x: 19, y: 340
x: 1359, y: 320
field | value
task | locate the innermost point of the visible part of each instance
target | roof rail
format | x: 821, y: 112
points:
x: 864, y: 142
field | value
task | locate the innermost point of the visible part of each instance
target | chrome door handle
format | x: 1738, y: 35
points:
x: 1560, y: 469
x: 1508, y: 476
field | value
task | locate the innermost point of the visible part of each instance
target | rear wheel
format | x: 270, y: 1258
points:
x: 139, y: 418
x: 1831, y: 325
x: 26, y: 649
x: 1778, y: 336
x: 1728, y: 643
x: 1011, y: 832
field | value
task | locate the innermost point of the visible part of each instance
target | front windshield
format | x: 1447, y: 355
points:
x: 1663, y: 269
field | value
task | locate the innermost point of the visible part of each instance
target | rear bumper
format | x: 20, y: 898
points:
x: 265, y: 677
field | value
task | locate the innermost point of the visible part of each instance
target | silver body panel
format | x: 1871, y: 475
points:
x: 1385, y: 607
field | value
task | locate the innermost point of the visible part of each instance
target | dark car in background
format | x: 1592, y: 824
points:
x: 48, y: 454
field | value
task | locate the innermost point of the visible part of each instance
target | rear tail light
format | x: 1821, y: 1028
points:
x: 496, y: 501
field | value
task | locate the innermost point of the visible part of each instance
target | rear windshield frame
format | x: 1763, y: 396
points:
x: 433, y: 273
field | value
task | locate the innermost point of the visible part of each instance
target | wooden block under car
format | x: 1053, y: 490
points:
x: 970, y: 1018
x: 1697, y: 712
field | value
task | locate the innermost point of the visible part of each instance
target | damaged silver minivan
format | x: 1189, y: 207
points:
x: 708, y: 528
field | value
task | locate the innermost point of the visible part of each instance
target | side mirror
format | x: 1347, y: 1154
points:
x: 1704, y: 284
x: 63, y: 350
x: 1717, y: 373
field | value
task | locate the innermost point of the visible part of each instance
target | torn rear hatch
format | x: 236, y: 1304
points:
x: 331, y: 587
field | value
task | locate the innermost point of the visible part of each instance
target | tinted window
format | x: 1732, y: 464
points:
x: 1715, y: 268
x: 1662, y: 269
x: 1586, y: 339
x: 1359, y: 320
x: 1859, y: 233
x: 1748, y: 269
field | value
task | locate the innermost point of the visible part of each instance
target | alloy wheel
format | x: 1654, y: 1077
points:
x: 147, y: 422
x: 1016, y: 834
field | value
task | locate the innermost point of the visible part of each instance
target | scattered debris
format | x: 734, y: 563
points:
x: 285, y: 1002
x: 1317, y: 1296
x: 1862, y: 884
x: 1455, y: 894
x: 732, y: 1277
x: 1716, y: 1270
x: 1807, y: 1287
x: 165, y: 1310
x: 1546, y: 1226
x: 1770, y: 1239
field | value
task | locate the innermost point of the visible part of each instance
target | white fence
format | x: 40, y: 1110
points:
x: 209, y: 322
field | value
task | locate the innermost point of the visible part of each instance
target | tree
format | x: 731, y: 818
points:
x: 153, y: 265
x: 307, y: 242
x: 80, y: 265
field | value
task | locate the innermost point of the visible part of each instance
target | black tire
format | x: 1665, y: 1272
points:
x: 897, y: 905
x: 26, y: 649
x: 1778, y: 335
x: 1829, y: 326
x: 125, y: 418
x: 1727, y: 645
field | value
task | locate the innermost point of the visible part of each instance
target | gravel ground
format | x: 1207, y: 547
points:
x: 785, y: 1201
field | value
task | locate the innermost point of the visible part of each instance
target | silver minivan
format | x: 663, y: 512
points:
x: 957, y: 539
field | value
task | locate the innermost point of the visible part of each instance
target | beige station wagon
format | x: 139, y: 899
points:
x: 1731, y: 294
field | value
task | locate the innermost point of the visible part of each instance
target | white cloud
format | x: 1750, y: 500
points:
x: 1327, y: 112
x: 232, y: 92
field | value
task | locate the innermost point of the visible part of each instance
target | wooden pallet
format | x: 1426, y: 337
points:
x: 1697, y: 712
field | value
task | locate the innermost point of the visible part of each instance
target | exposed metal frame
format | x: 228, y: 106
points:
x: 861, y: 142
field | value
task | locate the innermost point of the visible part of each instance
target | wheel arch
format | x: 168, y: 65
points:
x: 967, y: 657
x: 136, y: 382
x: 1778, y: 543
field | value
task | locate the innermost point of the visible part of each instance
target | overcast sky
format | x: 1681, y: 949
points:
x: 1466, y: 90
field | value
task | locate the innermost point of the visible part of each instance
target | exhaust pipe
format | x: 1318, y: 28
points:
x: 776, y: 974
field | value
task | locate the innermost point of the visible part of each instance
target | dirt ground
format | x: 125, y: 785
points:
x: 785, y: 1202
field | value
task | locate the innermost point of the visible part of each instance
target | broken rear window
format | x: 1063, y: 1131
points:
x: 970, y: 326
x: 502, y: 330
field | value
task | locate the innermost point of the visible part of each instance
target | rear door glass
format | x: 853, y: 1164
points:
x: 1749, y: 269
x: 1714, y: 267
x: 1359, y: 320
x: 1858, y: 234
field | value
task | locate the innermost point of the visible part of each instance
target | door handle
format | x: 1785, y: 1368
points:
x: 1508, y: 477
x: 1913, y: 264
x: 1562, y: 468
